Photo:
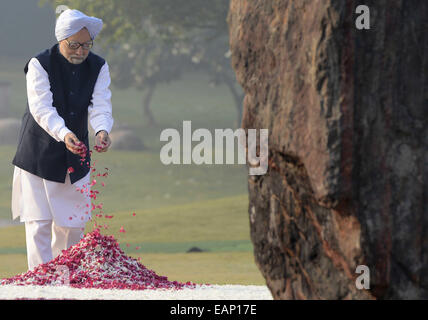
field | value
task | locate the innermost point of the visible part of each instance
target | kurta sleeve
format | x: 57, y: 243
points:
x: 100, y: 109
x: 40, y: 101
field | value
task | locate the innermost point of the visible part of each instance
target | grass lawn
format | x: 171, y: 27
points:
x: 202, y: 267
x: 138, y: 180
x: 215, y: 225
x: 219, y: 227
x: 177, y: 206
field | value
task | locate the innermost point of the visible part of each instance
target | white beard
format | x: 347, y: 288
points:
x: 76, y: 60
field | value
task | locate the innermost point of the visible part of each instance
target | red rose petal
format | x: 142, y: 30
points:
x: 97, y: 261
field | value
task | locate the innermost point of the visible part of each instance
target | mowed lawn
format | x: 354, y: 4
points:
x: 161, y: 237
x: 176, y: 207
x: 139, y: 180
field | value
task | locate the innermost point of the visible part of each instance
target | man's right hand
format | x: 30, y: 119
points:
x: 72, y: 143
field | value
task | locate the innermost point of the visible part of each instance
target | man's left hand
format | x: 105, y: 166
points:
x: 102, y: 141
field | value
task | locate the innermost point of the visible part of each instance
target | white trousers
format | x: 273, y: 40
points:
x: 35, y: 198
x: 45, y: 240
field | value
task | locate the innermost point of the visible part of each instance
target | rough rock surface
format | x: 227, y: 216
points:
x: 346, y: 111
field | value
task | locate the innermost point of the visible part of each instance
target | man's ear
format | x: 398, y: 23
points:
x: 60, y: 43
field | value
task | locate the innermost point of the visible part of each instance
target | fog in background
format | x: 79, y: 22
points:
x: 25, y: 28
x: 156, y: 84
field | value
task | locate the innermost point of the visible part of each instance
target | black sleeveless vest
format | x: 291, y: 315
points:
x: 72, y: 87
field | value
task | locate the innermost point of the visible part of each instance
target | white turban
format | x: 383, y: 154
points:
x: 72, y: 21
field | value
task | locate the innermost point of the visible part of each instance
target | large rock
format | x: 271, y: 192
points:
x: 346, y: 111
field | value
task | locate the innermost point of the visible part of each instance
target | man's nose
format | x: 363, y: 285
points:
x: 79, y: 51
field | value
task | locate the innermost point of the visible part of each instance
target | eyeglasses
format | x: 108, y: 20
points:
x: 75, y: 45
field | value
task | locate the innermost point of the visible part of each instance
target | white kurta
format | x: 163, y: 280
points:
x: 34, y: 198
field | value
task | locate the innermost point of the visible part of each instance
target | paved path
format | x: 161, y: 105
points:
x: 203, y: 292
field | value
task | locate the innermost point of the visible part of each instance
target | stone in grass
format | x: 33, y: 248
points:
x: 195, y: 249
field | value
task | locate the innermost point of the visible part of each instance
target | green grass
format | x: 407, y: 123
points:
x: 214, y: 268
x: 177, y: 206
x: 6, y: 175
x: 138, y: 180
x: 203, y: 267
x: 211, y: 224
x: 223, y: 219
x: 219, y: 227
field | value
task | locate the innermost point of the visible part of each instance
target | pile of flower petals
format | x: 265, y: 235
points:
x: 97, y: 261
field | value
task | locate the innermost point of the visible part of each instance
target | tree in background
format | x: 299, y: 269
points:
x: 155, y: 41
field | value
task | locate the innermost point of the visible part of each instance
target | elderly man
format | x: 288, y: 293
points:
x: 65, y: 84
